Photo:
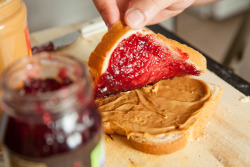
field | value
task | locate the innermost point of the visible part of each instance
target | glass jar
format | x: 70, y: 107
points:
x: 52, y: 120
x: 14, y: 34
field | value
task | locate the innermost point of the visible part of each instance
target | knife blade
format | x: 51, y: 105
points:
x: 57, y: 43
x: 89, y: 28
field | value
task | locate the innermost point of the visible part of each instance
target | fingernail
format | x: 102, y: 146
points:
x: 108, y: 25
x: 135, y: 18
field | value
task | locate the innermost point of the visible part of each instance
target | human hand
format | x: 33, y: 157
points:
x: 138, y: 13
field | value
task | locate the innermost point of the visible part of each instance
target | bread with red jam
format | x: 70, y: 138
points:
x: 126, y: 59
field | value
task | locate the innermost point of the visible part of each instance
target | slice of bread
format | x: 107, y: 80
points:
x: 171, y: 140
x: 174, y: 142
x: 100, y: 61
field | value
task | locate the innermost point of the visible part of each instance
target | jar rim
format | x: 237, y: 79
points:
x: 57, y: 102
x: 42, y: 95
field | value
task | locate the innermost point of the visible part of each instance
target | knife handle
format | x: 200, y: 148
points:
x: 93, y: 26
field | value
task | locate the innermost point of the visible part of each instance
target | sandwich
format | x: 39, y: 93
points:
x: 145, y: 91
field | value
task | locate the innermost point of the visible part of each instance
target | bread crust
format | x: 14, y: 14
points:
x: 102, y: 52
x: 98, y: 56
x: 195, y: 57
x: 159, y: 148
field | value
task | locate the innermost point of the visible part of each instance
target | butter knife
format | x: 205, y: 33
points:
x: 89, y: 28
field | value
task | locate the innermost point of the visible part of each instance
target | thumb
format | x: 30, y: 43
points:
x: 108, y: 10
x: 140, y: 12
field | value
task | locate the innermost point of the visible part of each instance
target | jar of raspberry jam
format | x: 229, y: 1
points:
x: 51, y: 119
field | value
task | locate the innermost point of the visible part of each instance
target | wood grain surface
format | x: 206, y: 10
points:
x: 226, y: 139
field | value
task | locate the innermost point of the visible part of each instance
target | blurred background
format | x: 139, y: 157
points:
x: 221, y: 29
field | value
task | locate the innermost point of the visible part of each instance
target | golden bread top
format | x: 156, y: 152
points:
x: 169, y: 106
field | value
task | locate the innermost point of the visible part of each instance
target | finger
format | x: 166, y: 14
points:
x: 140, y: 12
x: 122, y: 6
x: 108, y: 10
x: 174, y: 9
x: 164, y: 15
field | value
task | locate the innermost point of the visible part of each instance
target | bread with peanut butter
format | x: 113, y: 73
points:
x: 161, y: 118
x: 143, y: 91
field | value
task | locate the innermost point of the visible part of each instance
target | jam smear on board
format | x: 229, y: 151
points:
x: 140, y: 60
x: 49, y: 47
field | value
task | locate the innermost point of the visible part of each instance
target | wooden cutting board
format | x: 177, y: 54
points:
x: 226, y: 139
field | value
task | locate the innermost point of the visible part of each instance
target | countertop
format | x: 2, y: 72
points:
x: 227, y: 139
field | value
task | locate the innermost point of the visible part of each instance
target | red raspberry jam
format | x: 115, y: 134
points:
x: 44, y: 48
x: 34, y: 86
x: 140, y: 60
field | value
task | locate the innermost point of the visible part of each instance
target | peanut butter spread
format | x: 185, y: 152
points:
x: 155, y: 110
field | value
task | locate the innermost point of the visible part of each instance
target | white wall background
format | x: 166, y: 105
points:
x: 49, y: 13
x: 221, y: 9
x: 44, y: 14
